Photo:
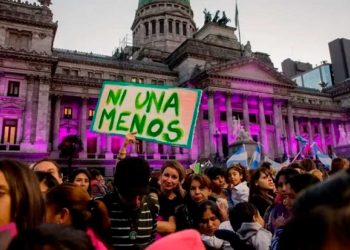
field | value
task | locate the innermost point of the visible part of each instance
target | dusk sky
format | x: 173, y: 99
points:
x: 298, y: 29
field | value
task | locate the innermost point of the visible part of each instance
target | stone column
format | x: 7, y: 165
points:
x: 28, y: 116
x: 278, y: 127
x: 246, y: 113
x: 334, y: 139
x: 83, y: 120
x: 41, y: 139
x: 309, y: 130
x: 291, y: 130
x: 109, y: 154
x: 56, y: 124
x: 98, y: 145
x: 296, y: 125
x: 262, y: 124
x: 229, y: 118
x: 211, y: 120
x: 200, y: 133
x: 323, y: 142
x: 19, y: 130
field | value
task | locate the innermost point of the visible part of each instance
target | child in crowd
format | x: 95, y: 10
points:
x: 208, y: 219
x: 247, y: 222
x: 237, y: 179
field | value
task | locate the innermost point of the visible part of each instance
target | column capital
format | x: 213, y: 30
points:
x: 210, y: 92
x: 228, y: 93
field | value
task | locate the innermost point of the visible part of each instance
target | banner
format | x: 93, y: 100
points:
x: 157, y: 113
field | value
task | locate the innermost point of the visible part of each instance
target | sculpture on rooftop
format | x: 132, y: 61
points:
x: 224, y: 20
x: 216, y: 17
x: 207, y: 16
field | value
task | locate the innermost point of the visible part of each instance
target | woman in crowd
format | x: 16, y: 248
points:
x: 71, y: 205
x: 261, y: 190
x: 97, y: 184
x: 171, y: 195
x: 198, y: 189
x: 21, y: 202
x: 237, y: 179
x: 208, y: 218
x: 278, y: 212
x: 82, y: 178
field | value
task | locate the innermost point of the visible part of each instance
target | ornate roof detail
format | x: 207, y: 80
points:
x: 143, y: 3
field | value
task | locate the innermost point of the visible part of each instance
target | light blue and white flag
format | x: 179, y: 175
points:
x: 303, y: 142
x: 240, y: 156
x: 324, y: 158
x: 275, y: 165
x: 256, y: 158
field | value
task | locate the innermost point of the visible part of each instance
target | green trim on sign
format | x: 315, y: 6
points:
x: 188, y: 144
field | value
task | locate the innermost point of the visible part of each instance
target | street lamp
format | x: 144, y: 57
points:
x: 216, y: 135
x: 283, y: 138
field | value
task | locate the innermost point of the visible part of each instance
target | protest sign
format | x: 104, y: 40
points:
x: 157, y: 113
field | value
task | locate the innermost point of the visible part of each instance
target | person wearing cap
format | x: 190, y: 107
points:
x: 132, y: 210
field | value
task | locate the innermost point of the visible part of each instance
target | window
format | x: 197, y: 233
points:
x: 161, y: 82
x: 98, y: 75
x: 133, y: 79
x: 112, y: 76
x: 66, y: 72
x: 327, y: 130
x: 146, y: 29
x: 170, y: 26
x: 90, y: 74
x: 252, y: 118
x: 154, y: 81
x: 177, y: 28
x: 160, y: 149
x: 120, y: 78
x: 238, y: 115
x: 9, y: 131
x: 91, y: 114
x: 161, y: 26
x: 205, y: 115
x: 13, y: 88
x: 19, y: 39
x: 304, y: 128
x: 68, y: 113
x: 316, y: 129
x: 268, y: 119
x: 153, y: 26
x: 223, y: 116
x: 75, y: 72
x: 184, y: 29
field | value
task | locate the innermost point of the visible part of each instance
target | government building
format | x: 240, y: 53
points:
x: 48, y: 93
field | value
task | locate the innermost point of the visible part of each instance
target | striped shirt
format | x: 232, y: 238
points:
x: 125, y: 222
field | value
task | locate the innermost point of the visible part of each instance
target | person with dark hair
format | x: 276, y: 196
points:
x: 278, y: 212
x: 217, y: 177
x: 208, y: 218
x: 249, y: 225
x: 198, y: 189
x: 97, y: 184
x: 81, y: 177
x: 53, y: 237
x: 46, y: 181
x: 21, y: 202
x: 69, y: 204
x: 261, y: 190
x: 339, y: 164
x: 50, y: 166
x: 237, y: 179
x: 133, y: 211
x: 308, y: 165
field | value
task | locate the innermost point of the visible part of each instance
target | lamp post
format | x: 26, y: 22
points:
x: 283, y: 138
x: 216, y: 135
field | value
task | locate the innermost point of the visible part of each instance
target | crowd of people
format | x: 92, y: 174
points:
x: 299, y: 206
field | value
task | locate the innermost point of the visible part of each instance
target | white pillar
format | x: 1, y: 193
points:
x: 211, y: 120
x: 246, y: 113
x: 262, y: 124
x: 291, y: 130
x: 83, y: 120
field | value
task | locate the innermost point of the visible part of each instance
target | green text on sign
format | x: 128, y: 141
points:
x: 157, y: 113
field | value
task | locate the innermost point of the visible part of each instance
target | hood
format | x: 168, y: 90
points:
x: 248, y: 230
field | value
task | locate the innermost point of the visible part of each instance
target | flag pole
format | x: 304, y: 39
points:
x: 239, y: 29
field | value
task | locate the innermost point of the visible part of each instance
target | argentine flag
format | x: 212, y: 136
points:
x: 240, y: 156
x: 256, y: 158
x: 324, y: 158
x: 303, y: 142
x: 275, y: 165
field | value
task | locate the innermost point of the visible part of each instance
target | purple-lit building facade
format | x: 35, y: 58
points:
x: 47, y: 93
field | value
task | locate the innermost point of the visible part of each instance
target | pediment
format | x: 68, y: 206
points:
x: 251, y: 69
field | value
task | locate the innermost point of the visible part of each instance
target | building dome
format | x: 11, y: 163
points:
x: 146, y: 2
